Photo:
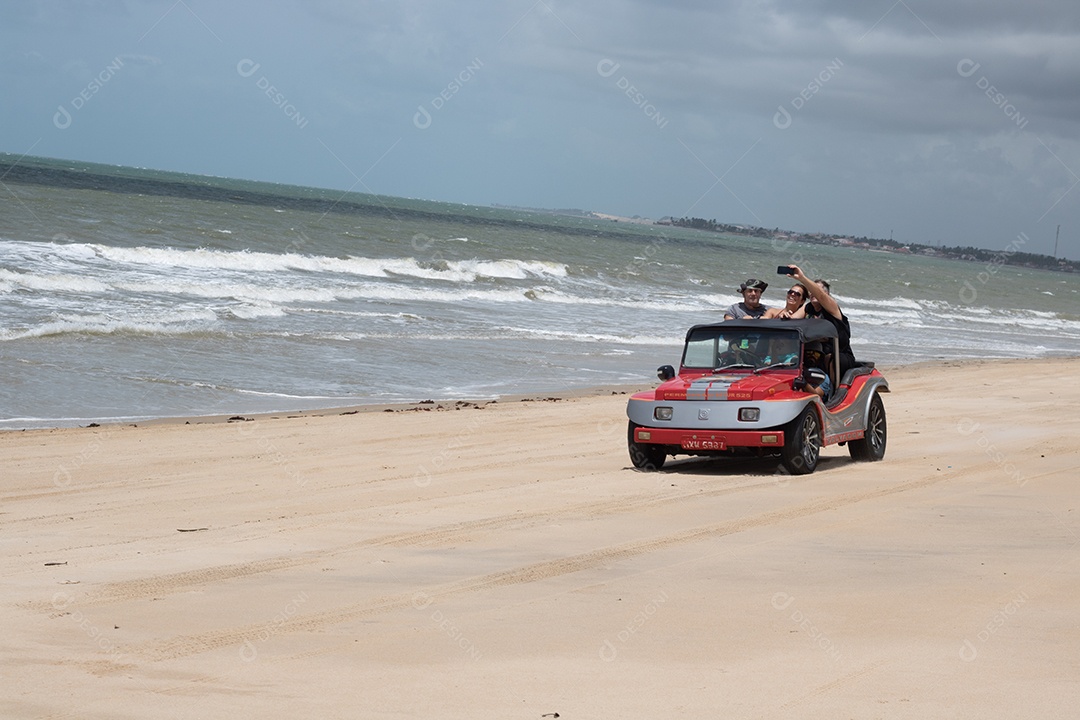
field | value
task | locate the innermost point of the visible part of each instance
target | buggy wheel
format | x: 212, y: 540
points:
x: 802, y: 443
x: 644, y: 456
x: 871, y: 447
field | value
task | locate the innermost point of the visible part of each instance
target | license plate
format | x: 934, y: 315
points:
x: 701, y: 444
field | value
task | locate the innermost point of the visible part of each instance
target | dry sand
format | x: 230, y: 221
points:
x: 506, y: 562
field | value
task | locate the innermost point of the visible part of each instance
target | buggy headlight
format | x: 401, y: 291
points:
x: 662, y: 413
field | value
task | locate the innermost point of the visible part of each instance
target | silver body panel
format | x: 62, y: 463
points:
x: 718, y: 413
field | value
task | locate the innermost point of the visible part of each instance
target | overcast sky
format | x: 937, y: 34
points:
x: 934, y: 121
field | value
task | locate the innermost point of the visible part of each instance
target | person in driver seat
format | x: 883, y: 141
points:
x: 741, y: 349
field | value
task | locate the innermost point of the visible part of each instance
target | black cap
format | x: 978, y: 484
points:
x: 753, y: 284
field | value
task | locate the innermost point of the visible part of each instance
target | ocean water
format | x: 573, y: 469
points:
x: 128, y: 294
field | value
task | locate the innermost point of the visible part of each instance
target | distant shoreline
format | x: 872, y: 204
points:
x: 32, y: 170
x: 1010, y: 255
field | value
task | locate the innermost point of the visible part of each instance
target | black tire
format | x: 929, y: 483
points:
x: 644, y: 456
x: 871, y: 447
x: 802, y: 443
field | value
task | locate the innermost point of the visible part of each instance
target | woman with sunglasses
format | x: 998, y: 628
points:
x: 823, y: 305
x: 793, y: 309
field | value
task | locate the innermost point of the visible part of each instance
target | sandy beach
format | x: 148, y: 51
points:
x: 503, y: 560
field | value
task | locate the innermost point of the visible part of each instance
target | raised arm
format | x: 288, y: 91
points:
x: 828, y: 303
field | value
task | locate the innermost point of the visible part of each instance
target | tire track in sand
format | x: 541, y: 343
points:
x: 159, y: 585
x: 186, y: 645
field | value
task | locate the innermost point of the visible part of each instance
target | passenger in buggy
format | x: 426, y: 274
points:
x: 815, y: 377
x: 823, y: 305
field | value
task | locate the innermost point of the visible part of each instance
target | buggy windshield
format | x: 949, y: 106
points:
x: 718, y: 348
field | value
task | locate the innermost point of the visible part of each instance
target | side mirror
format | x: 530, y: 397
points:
x: 665, y: 372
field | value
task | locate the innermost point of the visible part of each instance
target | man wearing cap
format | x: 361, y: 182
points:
x: 751, y: 306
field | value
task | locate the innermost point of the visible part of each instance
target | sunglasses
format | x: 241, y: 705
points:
x: 796, y: 293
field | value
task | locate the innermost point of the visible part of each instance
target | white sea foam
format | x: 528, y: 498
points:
x: 516, y: 269
x: 52, y: 283
x: 358, y: 317
x: 257, y: 262
x: 253, y: 311
x: 594, y: 337
x: 178, y: 323
x: 245, y: 292
x: 356, y: 313
x: 655, y: 302
x: 261, y: 262
x: 895, y: 302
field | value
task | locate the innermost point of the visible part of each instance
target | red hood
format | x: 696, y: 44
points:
x: 724, y: 386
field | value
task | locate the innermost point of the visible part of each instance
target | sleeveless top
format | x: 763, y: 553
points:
x: 843, y: 331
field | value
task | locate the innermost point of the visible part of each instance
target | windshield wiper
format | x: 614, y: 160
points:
x: 788, y: 363
x: 733, y: 366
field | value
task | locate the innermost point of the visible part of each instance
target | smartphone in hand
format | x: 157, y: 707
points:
x: 784, y: 270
